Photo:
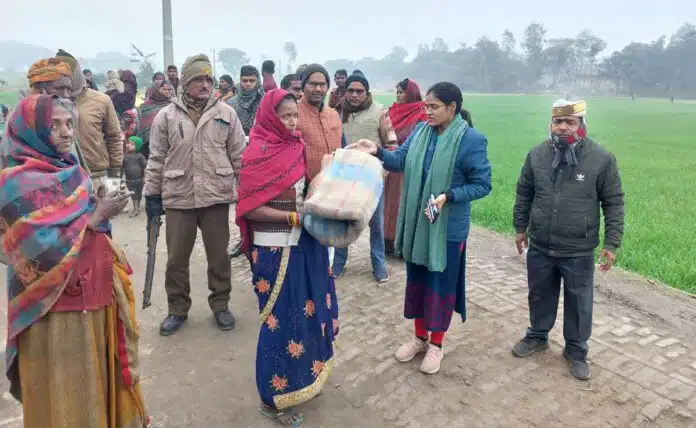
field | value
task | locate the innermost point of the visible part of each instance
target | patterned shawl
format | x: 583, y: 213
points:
x: 148, y: 110
x: 44, y: 209
x: 273, y: 162
x: 245, y: 104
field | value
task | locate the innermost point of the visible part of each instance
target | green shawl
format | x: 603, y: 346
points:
x: 417, y: 240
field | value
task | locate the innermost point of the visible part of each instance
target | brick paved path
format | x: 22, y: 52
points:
x: 642, y: 353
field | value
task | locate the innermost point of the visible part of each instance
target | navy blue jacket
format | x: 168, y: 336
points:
x: 471, y: 179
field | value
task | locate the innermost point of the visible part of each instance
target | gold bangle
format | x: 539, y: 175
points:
x: 295, y: 219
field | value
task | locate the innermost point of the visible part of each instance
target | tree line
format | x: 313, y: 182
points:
x: 535, y: 63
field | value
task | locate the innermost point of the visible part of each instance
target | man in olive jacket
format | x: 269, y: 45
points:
x: 196, y: 146
x: 563, y: 183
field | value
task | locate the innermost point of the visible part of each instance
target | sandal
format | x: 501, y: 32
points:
x: 292, y: 418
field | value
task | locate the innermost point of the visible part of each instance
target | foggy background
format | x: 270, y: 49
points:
x: 383, y: 38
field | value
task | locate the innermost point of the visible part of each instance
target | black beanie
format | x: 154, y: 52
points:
x: 227, y: 78
x: 360, y: 78
x: 314, y: 68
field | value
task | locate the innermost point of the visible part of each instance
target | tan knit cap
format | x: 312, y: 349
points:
x: 195, y: 66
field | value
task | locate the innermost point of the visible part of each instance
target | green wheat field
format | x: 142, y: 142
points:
x: 656, y: 152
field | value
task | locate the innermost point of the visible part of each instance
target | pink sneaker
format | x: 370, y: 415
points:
x: 408, y: 351
x: 432, y: 360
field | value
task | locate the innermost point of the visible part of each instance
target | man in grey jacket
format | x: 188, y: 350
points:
x: 196, y: 146
x: 563, y: 183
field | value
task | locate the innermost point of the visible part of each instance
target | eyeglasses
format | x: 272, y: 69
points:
x: 355, y: 91
x: 433, y: 107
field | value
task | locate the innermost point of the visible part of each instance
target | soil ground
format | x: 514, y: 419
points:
x: 643, y: 353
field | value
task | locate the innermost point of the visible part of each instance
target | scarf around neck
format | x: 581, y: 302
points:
x: 347, y: 108
x: 195, y: 107
x: 565, y: 145
x: 245, y: 103
x: 417, y: 240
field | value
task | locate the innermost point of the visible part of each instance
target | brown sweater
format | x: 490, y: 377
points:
x: 99, y: 132
x: 321, y: 130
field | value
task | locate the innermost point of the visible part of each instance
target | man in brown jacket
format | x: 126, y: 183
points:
x: 98, y: 129
x: 196, y: 146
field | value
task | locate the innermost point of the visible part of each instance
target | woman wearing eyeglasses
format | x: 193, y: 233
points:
x: 447, y: 158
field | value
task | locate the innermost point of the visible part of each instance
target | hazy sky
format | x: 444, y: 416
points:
x: 324, y: 29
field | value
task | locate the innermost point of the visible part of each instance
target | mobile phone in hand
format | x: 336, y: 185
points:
x: 433, y: 211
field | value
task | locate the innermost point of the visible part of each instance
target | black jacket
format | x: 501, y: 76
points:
x: 559, y: 209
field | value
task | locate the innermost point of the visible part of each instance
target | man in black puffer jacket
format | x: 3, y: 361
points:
x: 563, y: 183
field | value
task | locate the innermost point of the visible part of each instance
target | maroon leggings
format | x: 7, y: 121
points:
x: 436, y: 337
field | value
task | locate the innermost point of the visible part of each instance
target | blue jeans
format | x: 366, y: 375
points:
x: 376, y: 245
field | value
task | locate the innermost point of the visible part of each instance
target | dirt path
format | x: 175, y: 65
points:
x: 642, y: 354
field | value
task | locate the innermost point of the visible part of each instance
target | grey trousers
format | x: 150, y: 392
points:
x: 544, y: 274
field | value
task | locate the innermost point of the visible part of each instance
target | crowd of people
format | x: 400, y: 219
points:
x: 193, y: 151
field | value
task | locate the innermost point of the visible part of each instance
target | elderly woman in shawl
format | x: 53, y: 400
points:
x: 290, y: 269
x: 157, y: 80
x: 407, y: 112
x: 72, y: 339
x: 160, y: 96
x: 445, y: 165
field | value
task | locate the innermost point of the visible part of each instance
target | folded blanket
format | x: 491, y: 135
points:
x: 343, y: 197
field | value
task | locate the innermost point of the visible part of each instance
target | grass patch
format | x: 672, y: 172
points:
x: 9, y: 97
x: 657, y: 159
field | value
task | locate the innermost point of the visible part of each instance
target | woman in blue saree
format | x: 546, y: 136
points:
x: 290, y: 269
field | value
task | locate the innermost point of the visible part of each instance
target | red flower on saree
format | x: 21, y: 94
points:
x: 272, y: 322
x: 317, y: 367
x: 309, y: 308
x: 295, y: 349
x: 279, y: 383
x: 262, y: 286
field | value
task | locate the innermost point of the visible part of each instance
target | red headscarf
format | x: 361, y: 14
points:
x: 273, y: 162
x: 405, y: 116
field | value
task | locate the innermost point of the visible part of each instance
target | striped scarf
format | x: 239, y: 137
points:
x: 44, y: 209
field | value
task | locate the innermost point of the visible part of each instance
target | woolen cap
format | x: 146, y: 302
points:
x: 314, y: 68
x: 360, y: 78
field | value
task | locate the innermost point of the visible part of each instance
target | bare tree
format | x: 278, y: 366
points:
x: 290, y: 50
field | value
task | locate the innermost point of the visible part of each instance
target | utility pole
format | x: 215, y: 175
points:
x: 214, y: 61
x: 167, y: 35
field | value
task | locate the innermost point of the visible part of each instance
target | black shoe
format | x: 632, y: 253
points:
x: 172, y: 324
x: 578, y: 367
x: 237, y: 250
x: 527, y: 347
x: 224, y: 320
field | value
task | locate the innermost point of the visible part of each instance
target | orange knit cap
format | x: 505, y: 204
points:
x: 48, y: 70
